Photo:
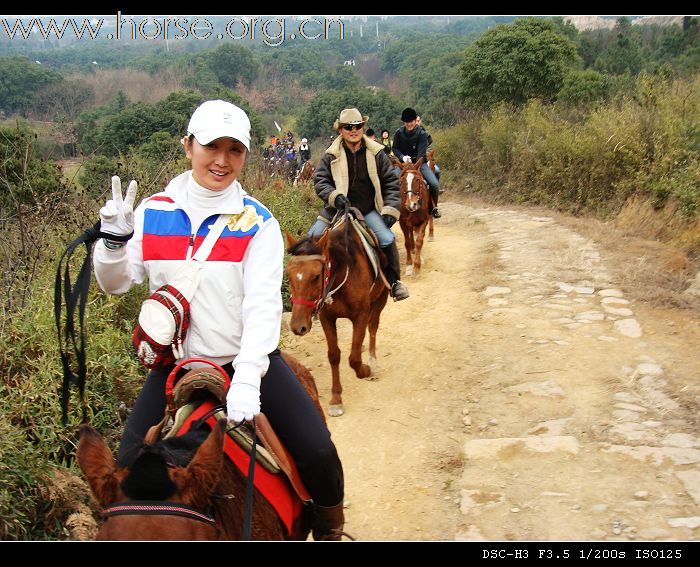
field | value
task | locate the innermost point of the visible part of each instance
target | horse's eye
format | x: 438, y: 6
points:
x: 316, y: 277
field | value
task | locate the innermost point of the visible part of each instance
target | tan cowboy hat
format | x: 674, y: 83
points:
x: 349, y: 116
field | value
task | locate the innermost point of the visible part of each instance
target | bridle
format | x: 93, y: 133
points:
x: 156, y: 508
x: 408, y: 192
x: 326, y: 296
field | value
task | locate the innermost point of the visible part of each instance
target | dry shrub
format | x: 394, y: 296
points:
x: 138, y: 86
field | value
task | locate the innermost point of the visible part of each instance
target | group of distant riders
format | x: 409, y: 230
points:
x: 282, y: 157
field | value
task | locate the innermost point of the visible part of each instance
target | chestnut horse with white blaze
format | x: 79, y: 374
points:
x: 415, y: 214
x: 332, y: 277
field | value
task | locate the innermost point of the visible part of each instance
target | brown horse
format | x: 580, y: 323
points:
x: 333, y: 278
x: 415, y: 214
x: 170, y: 495
x: 306, y: 174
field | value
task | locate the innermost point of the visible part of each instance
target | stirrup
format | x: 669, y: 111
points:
x: 399, y: 291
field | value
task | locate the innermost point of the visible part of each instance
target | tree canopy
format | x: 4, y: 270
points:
x: 516, y: 62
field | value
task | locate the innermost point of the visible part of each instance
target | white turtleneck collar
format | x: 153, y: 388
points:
x: 203, y: 202
x: 199, y: 197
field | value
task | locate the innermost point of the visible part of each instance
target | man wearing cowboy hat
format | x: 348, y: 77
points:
x: 355, y: 171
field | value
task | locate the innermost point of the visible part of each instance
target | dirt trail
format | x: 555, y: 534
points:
x: 521, y: 396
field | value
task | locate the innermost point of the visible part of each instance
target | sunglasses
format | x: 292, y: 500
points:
x: 351, y: 127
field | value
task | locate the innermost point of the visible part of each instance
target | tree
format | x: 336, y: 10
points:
x: 584, y: 87
x: 233, y: 63
x: 65, y: 99
x: 623, y: 56
x: 517, y: 62
x: 319, y: 115
x: 22, y: 79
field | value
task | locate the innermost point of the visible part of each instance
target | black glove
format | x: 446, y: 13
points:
x: 340, y: 202
x: 388, y: 220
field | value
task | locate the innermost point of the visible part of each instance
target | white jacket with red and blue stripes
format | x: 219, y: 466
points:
x: 237, y: 308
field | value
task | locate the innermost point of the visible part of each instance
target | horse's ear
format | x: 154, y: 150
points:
x: 323, y: 241
x: 396, y: 162
x: 419, y: 162
x: 291, y: 241
x: 97, y: 463
x: 197, y: 482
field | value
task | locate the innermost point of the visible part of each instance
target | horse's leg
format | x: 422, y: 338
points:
x: 335, y: 408
x: 408, y: 242
x: 419, y: 247
x: 374, y: 315
x: 430, y: 229
x: 359, y: 328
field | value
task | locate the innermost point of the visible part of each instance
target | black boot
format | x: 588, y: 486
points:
x: 329, y: 523
x: 433, y: 203
x: 392, y: 272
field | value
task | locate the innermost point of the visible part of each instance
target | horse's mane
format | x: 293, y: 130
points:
x: 305, y: 247
x: 148, y: 477
x: 341, y: 245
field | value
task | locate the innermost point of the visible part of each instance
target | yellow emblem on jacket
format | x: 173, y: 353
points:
x: 246, y: 220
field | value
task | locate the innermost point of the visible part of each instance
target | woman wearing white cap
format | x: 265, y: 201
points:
x: 235, y: 302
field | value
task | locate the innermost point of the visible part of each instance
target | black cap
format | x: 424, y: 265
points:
x: 408, y: 115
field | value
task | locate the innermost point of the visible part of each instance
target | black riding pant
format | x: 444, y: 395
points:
x: 289, y: 409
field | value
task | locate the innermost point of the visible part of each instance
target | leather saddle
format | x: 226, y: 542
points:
x: 206, y: 385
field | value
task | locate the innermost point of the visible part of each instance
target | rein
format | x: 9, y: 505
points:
x: 156, y: 508
x: 75, y: 297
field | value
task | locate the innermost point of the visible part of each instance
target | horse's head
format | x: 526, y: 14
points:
x: 306, y: 271
x: 414, y: 191
x: 155, y: 500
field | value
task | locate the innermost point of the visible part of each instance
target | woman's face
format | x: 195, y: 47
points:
x: 385, y: 134
x: 217, y: 164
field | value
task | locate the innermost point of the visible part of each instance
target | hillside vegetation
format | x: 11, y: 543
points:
x: 521, y: 110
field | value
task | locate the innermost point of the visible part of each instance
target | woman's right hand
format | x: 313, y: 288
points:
x: 117, y: 216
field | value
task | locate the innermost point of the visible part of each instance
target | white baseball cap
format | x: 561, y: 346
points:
x: 220, y: 119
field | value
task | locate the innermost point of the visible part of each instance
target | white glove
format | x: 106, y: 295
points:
x: 407, y: 159
x: 117, y: 216
x: 243, y: 400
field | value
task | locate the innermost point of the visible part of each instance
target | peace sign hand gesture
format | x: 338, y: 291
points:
x: 117, y: 216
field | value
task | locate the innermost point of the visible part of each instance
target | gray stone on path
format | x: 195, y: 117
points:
x: 650, y: 369
x: 691, y: 522
x: 691, y: 482
x: 629, y: 328
x: 621, y: 311
x: 614, y: 301
x: 492, y: 290
x: 550, y: 427
x: 590, y: 316
x: 584, y: 290
x: 681, y: 440
x: 610, y: 293
x: 653, y: 533
x: 607, y: 339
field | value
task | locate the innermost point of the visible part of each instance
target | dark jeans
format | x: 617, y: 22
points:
x: 290, y: 411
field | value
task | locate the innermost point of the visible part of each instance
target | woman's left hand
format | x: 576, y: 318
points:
x: 242, y: 402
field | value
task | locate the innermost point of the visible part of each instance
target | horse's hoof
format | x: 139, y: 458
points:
x: 431, y: 239
x: 335, y: 411
x: 365, y: 371
x: 373, y: 365
x: 409, y: 270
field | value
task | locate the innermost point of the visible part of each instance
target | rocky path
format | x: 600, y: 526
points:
x: 522, y: 396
